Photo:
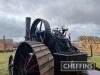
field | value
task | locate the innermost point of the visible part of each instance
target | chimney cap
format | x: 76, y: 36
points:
x: 28, y: 17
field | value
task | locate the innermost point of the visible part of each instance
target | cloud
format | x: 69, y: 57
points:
x: 77, y: 11
x: 11, y: 28
x: 18, y: 39
x: 78, y: 15
x: 81, y: 30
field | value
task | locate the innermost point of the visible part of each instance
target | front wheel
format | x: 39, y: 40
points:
x: 10, y: 65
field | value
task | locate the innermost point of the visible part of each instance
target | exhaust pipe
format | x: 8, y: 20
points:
x: 28, y: 23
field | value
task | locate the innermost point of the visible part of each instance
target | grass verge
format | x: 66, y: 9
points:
x: 96, y: 59
x: 4, y: 57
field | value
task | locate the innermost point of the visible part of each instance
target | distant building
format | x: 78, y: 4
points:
x: 6, y: 44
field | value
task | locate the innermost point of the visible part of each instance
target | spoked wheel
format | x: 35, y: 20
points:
x: 39, y: 30
x: 25, y: 62
x: 10, y: 65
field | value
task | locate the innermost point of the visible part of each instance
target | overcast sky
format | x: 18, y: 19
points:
x: 82, y: 17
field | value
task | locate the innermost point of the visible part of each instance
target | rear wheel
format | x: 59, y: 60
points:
x: 33, y: 58
x: 25, y: 62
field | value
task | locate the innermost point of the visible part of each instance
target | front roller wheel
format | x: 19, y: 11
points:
x: 10, y: 65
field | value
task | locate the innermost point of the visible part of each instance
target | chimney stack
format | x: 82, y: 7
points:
x: 4, y: 42
x: 28, y: 23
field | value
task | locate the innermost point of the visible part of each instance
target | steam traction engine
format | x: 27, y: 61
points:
x: 43, y: 50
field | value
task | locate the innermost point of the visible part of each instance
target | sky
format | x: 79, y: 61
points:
x: 82, y: 17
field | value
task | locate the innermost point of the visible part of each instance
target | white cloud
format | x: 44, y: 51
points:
x: 81, y: 16
x: 83, y: 29
x: 18, y: 39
